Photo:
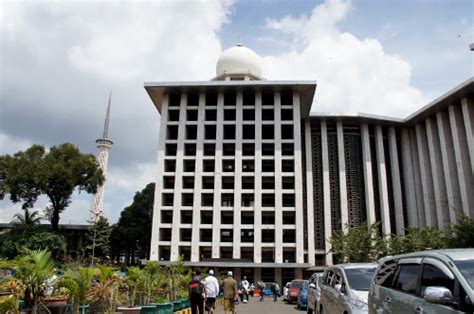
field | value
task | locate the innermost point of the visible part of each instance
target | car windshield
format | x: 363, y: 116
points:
x: 467, y: 270
x: 359, y: 278
x: 297, y: 284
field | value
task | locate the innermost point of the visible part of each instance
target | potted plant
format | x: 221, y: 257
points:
x: 134, y: 284
x: 78, y: 283
x: 33, y: 269
x: 104, y: 293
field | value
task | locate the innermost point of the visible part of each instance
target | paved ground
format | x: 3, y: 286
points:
x: 265, y: 307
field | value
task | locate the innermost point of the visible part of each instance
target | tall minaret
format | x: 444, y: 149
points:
x: 103, y: 146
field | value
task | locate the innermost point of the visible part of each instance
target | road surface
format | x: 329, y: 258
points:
x: 265, y: 307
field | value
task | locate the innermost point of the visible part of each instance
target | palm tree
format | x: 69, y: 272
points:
x: 28, y: 218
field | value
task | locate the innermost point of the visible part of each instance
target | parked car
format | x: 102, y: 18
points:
x: 286, y: 289
x: 303, y: 296
x: 314, y: 292
x: 294, y: 290
x: 439, y: 281
x: 345, y: 288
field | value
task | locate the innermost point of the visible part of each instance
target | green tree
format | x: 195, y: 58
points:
x: 32, y: 238
x: 102, y: 238
x: 28, y: 218
x: 131, y: 235
x: 463, y: 232
x: 56, y: 174
x: 359, y: 244
x: 418, y: 239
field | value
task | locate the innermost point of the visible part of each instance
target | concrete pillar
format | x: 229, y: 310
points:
x: 238, y: 175
x: 437, y: 174
x: 298, y: 178
x: 468, y: 117
x: 426, y: 176
x: 278, y: 278
x: 326, y: 194
x: 420, y: 212
x: 368, y: 178
x: 299, y: 273
x: 309, y: 191
x: 382, y: 180
x: 449, y: 166
x: 237, y: 275
x: 409, y: 179
x: 461, y: 152
x: 342, y: 177
x: 198, y: 180
x: 178, y: 186
x: 258, y: 184
x: 396, y: 184
x: 278, y: 183
x: 216, y: 219
x: 154, y: 256
x: 257, y: 275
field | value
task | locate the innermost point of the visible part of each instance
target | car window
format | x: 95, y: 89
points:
x: 386, y: 273
x: 406, y: 278
x: 466, y: 267
x: 328, y: 278
x: 433, y: 276
x: 338, y: 280
x: 360, y: 278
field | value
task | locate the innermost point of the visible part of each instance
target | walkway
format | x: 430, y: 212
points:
x: 265, y: 307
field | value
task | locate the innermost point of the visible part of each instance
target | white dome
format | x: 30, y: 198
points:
x: 238, y: 61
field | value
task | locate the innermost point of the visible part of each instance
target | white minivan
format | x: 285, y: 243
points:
x: 345, y: 288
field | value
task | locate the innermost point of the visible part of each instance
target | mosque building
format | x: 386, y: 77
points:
x: 249, y: 180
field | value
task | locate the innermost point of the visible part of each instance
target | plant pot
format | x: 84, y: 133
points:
x: 55, y: 301
x: 129, y: 310
x: 164, y: 308
x: 185, y: 303
x: 148, y: 309
x: 84, y: 308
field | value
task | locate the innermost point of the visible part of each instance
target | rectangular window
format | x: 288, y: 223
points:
x: 230, y: 98
x: 248, y: 98
x: 227, y: 200
x: 248, y: 183
x: 228, y: 165
x: 189, y: 149
x: 268, y: 114
x: 187, y: 199
x: 191, y: 132
x: 209, y: 149
x: 185, y: 235
x: 164, y: 252
x: 227, y: 217
x: 166, y: 216
x: 189, y: 165
x: 268, y: 236
x: 246, y: 235
x: 211, y: 98
x: 173, y: 115
x: 206, y: 217
x: 207, y: 199
x: 170, y: 165
x: 288, y: 200
x: 248, y: 132
x: 249, y: 115
x: 210, y: 114
x: 185, y: 252
x: 188, y: 182
x: 268, y: 149
x: 193, y: 99
x: 167, y: 199
x: 289, y: 217
x: 247, y: 200
x: 248, y: 149
x: 208, y: 165
x: 186, y: 216
x: 287, y: 131
x: 268, y: 218
x: 226, y: 252
x: 228, y: 183
x: 268, y: 132
x: 227, y: 235
x: 267, y: 98
x: 268, y: 165
x: 208, y: 183
x: 172, y: 132
x: 174, y: 99
x: 171, y: 149
x: 191, y: 115
x: 289, y: 236
x: 286, y: 98
x: 246, y: 217
x: 248, y: 165
x: 168, y: 182
x: 287, y: 149
x: 205, y: 235
x: 229, y: 149
x: 287, y: 165
x: 268, y: 200
x: 229, y: 114
x: 229, y: 132
x: 205, y: 253
x: 287, y: 114
x: 165, y: 234
x: 407, y: 277
x: 268, y: 183
x: 210, y: 132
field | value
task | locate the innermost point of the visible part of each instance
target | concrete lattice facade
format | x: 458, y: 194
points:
x: 248, y: 180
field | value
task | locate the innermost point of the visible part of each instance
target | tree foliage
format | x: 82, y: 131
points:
x: 102, y: 238
x: 132, y: 233
x: 23, y: 237
x: 28, y: 218
x: 56, y: 174
x: 463, y: 232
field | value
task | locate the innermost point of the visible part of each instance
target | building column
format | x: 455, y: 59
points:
x: 426, y: 175
x: 326, y: 194
x: 382, y: 180
x: 342, y: 177
x: 257, y: 244
x: 198, y: 180
x: 449, y: 166
x: 441, y: 199
x: 278, y: 183
x: 462, y: 160
x: 298, y: 178
x: 468, y: 117
x: 420, y: 212
x: 408, y: 176
x: 309, y: 192
x: 238, y: 175
x: 298, y: 273
x: 155, y: 234
x: 278, y: 277
x: 216, y: 217
x: 257, y: 275
x: 178, y: 184
x: 396, y: 184
x: 368, y: 178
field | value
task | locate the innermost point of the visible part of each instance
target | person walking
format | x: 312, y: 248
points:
x: 211, y: 286
x: 245, y: 285
x: 261, y: 289
x: 275, y: 291
x: 197, y: 294
x: 230, y: 292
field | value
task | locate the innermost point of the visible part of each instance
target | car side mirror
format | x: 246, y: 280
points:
x: 312, y: 286
x: 338, y: 288
x: 438, y: 295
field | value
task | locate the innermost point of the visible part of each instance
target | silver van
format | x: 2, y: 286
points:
x: 314, y: 293
x: 345, y: 288
x: 439, y: 281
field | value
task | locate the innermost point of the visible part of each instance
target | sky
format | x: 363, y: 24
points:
x: 59, y: 60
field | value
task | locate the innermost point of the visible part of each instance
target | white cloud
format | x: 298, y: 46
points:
x: 353, y: 75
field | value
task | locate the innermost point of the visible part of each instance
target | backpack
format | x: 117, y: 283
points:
x: 195, y: 288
